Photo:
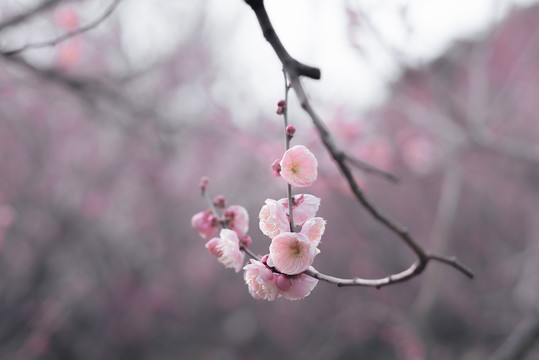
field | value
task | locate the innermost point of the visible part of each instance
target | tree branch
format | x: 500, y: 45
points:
x: 295, y: 70
x: 291, y: 65
x: 68, y: 35
x: 28, y: 14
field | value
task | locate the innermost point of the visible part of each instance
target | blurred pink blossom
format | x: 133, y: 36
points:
x: 377, y: 152
x: 206, y: 223
x: 299, y: 167
x: 237, y: 219
x: 262, y: 282
x: 69, y: 53
x: 67, y: 18
x: 276, y: 168
x: 273, y: 219
x: 420, y: 154
x: 292, y: 253
x: 226, y: 249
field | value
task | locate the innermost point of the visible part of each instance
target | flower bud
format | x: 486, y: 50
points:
x: 229, y: 214
x: 219, y: 201
x: 276, y: 168
x: 283, y: 282
x: 246, y: 241
x: 203, y: 184
x: 214, y: 221
x: 264, y: 259
x: 281, y: 105
x: 290, y: 130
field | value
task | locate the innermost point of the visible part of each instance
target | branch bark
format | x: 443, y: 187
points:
x: 295, y: 70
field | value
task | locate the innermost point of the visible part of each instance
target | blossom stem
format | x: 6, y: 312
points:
x: 213, y: 208
x: 287, y: 146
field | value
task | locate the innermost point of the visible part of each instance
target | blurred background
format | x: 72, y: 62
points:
x: 104, y: 137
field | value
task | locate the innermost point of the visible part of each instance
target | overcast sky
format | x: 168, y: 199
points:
x: 356, y: 62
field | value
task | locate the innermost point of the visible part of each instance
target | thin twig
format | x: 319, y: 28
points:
x: 368, y: 168
x: 68, y: 35
x: 287, y: 146
x: 28, y: 14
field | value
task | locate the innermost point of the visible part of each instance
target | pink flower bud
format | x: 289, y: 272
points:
x: 264, y: 259
x: 203, y: 184
x: 283, y: 282
x: 213, y: 220
x: 246, y: 241
x: 290, y: 130
x: 281, y: 105
x: 229, y: 214
x: 276, y: 168
x: 219, y: 201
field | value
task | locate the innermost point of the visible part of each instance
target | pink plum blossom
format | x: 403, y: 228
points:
x: 300, y: 286
x: 273, y: 219
x: 226, y: 249
x: 314, y: 229
x: 304, y: 207
x: 292, y: 253
x: 276, y: 168
x: 206, y: 223
x: 299, y: 166
x: 262, y: 282
x: 237, y: 219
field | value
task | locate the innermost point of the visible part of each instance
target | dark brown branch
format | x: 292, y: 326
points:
x: 291, y: 65
x: 28, y: 14
x: 295, y: 71
x: 68, y: 35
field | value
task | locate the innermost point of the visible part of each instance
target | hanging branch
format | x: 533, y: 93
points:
x: 295, y: 70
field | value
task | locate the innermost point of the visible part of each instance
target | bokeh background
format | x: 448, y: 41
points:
x: 104, y: 137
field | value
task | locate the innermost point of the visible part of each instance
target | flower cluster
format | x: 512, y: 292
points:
x: 227, y: 247
x: 290, y: 223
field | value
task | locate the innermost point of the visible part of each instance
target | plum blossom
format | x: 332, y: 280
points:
x: 300, y: 286
x: 292, y: 253
x: 273, y: 219
x: 226, y: 249
x: 262, y: 282
x: 314, y: 229
x: 304, y: 207
x: 299, y: 166
x: 237, y: 219
x: 206, y: 223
